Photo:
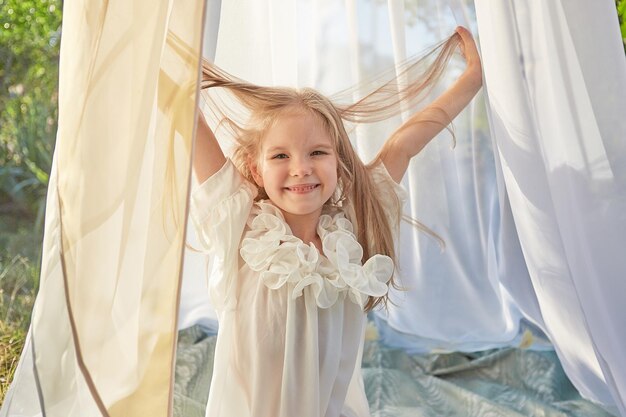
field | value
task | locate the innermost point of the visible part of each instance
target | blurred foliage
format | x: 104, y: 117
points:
x: 29, y: 52
x: 621, y: 13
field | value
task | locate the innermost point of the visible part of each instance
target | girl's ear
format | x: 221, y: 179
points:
x: 254, y: 170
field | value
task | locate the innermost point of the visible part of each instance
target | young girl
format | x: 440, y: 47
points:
x: 303, y: 232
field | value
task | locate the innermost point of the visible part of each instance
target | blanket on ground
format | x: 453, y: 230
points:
x: 503, y: 382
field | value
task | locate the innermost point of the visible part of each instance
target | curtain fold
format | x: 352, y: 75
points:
x: 556, y: 78
x: 455, y: 192
x: 103, y: 332
x: 485, y: 286
x: 195, y: 307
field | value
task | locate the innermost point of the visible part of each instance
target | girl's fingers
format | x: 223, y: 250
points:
x: 468, y: 45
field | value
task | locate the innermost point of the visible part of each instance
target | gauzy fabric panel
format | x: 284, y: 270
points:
x: 103, y: 331
x: 560, y: 114
x: 455, y: 298
x: 195, y: 307
x: 555, y: 74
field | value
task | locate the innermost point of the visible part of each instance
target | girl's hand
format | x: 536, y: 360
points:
x: 471, y: 56
x: 413, y: 135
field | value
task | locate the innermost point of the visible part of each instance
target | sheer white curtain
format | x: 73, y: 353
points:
x: 455, y: 298
x: 555, y: 81
x: 556, y: 78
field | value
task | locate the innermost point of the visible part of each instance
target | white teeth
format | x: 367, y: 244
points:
x: 307, y: 188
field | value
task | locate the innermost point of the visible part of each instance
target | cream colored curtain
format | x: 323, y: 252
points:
x: 103, y: 332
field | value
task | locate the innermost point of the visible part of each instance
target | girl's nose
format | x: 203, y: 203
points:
x: 301, y: 167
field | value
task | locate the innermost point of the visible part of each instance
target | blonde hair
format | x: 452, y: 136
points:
x: 356, y: 188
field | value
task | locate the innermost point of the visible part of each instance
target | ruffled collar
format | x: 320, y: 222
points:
x: 270, y: 248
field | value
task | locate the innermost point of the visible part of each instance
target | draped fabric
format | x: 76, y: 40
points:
x: 103, y: 331
x: 455, y: 298
x: 195, y: 307
x: 555, y: 74
x: 542, y: 154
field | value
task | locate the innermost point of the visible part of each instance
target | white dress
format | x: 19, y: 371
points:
x: 291, y: 320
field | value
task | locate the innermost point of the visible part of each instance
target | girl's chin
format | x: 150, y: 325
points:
x: 300, y: 204
x: 300, y: 209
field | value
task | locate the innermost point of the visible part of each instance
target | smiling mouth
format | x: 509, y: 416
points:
x: 302, y: 189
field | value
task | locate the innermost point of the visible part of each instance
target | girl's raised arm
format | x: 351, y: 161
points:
x: 415, y: 133
x: 208, y: 157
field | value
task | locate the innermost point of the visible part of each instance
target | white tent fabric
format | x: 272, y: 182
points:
x: 473, y: 295
x: 556, y: 78
x: 332, y: 46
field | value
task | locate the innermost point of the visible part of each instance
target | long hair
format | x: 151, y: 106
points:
x: 356, y: 189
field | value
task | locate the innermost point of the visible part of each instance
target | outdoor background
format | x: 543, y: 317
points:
x: 30, y: 33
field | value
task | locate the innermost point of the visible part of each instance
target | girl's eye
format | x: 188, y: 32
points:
x: 279, y: 156
x: 315, y: 153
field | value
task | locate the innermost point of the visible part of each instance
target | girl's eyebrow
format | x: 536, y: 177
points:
x: 275, y: 149
x: 323, y: 145
x: 316, y: 146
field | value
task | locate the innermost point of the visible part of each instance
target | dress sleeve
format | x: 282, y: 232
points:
x: 219, y: 209
x: 389, y: 192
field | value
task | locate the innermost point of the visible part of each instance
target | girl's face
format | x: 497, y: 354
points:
x: 297, y: 164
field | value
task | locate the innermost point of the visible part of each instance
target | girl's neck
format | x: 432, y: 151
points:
x: 304, y: 227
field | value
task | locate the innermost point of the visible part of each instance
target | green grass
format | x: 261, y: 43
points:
x: 19, y: 276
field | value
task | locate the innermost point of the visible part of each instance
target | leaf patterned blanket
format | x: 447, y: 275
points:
x: 503, y: 382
